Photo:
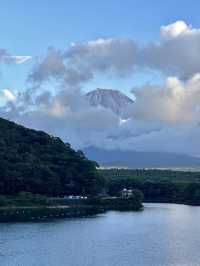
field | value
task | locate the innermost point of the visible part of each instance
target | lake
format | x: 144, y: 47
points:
x: 161, y: 235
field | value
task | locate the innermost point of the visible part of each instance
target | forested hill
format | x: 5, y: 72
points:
x: 34, y: 161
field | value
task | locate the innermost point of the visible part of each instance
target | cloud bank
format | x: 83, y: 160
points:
x: 163, y: 117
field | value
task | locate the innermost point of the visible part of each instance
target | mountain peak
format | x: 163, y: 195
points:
x: 115, y: 100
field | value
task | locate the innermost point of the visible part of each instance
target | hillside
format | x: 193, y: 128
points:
x: 33, y: 161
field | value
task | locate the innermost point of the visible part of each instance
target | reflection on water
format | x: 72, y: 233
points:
x: 161, y: 235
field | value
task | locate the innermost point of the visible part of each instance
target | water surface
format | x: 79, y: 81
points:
x: 161, y: 235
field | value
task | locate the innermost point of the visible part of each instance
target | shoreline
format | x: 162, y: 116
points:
x: 45, y: 213
x: 25, y: 213
x: 172, y: 202
x: 41, y: 213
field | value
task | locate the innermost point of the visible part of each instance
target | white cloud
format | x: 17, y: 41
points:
x: 175, y: 29
x: 174, y: 102
x: 177, y: 54
x: 9, y: 95
x: 19, y: 59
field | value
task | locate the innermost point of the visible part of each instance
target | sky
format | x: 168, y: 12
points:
x: 30, y: 27
x: 52, y: 52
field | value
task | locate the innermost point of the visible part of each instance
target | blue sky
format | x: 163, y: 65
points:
x: 30, y: 27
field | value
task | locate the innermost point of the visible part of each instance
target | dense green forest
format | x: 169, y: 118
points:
x: 156, y: 185
x: 36, y: 162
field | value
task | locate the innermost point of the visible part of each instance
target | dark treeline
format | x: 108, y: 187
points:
x: 156, y: 185
x: 35, y: 162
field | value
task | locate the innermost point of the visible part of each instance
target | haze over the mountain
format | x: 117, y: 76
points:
x: 108, y: 98
x: 141, y: 159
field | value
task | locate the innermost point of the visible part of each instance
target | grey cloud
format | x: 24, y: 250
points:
x: 115, y: 55
x: 80, y: 62
x: 49, y: 67
x: 180, y: 55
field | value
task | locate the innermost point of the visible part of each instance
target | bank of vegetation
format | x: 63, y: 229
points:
x: 156, y: 185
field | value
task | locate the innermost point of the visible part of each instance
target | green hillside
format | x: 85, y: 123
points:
x: 34, y: 161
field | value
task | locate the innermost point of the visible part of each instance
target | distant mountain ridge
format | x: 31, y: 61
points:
x: 112, y: 99
x: 140, y: 159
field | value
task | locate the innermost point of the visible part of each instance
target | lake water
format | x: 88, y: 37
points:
x: 161, y: 235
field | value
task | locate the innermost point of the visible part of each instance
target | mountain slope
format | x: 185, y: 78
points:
x: 111, y: 99
x: 33, y: 161
x: 135, y: 159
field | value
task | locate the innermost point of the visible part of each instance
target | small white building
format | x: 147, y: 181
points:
x: 126, y: 193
